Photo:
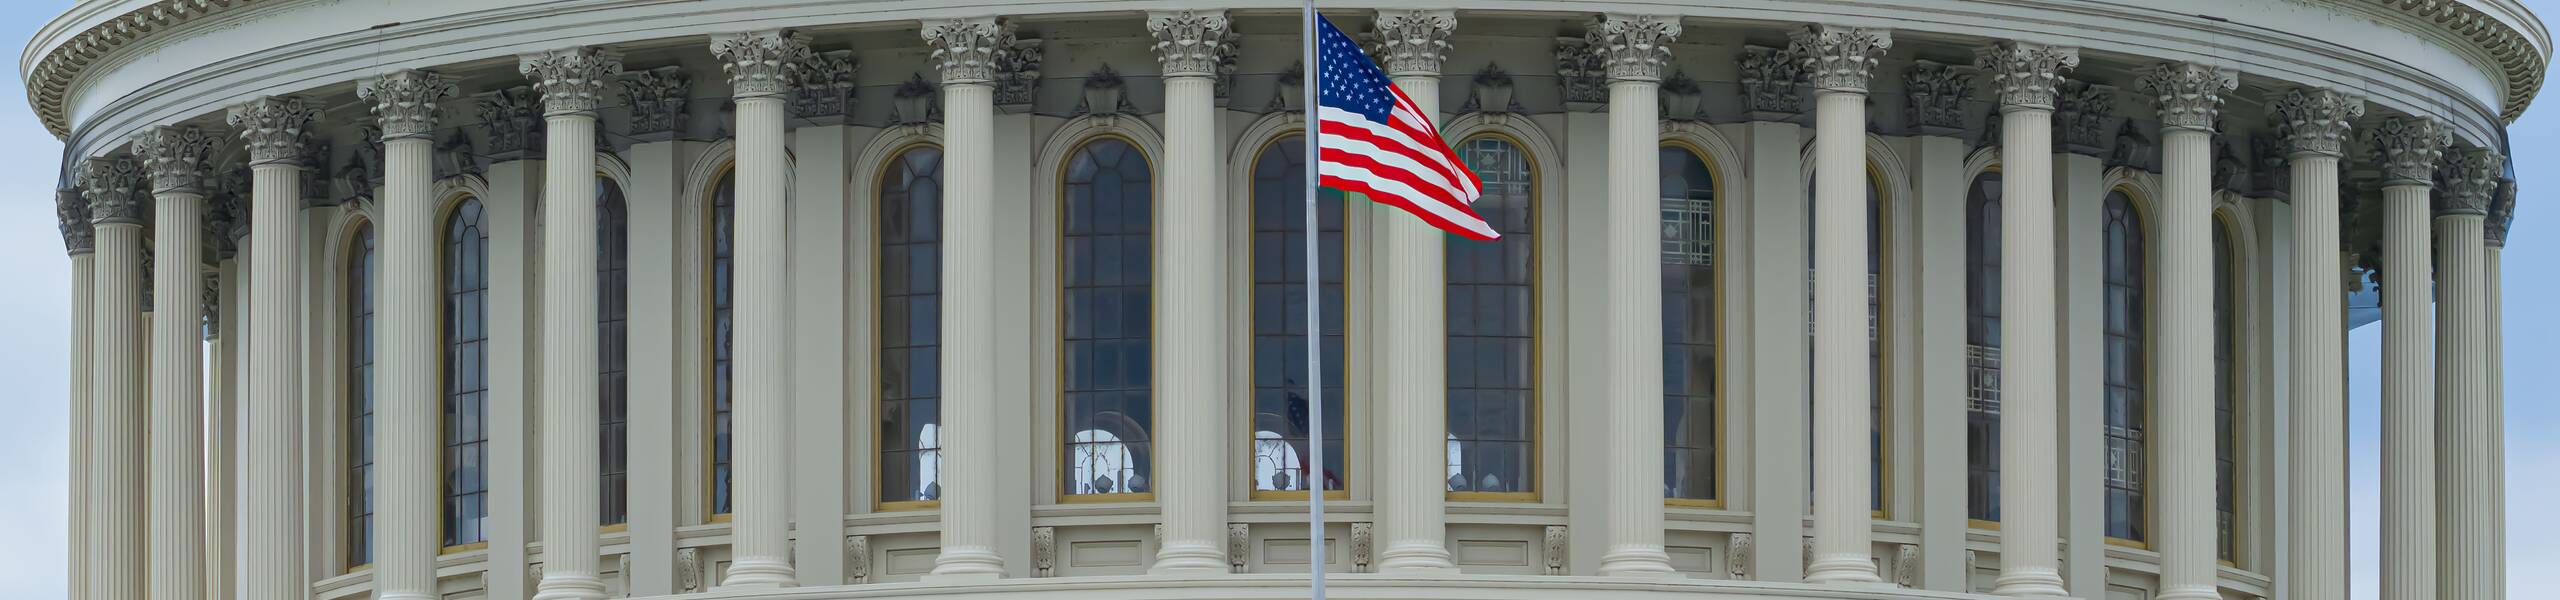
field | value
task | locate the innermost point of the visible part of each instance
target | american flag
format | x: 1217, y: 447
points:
x: 1375, y: 142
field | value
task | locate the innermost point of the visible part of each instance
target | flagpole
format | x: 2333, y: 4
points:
x: 1315, y: 315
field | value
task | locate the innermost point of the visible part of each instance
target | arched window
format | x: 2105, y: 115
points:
x: 2225, y: 391
x: 910, y: 369
x: 1107, y: 268
x: 2128, y: 372
x: 722, y: 281
x: 1691, y: 381
x: 1492, y: 340
x: 1280, y: 321
x: 1876, y: 467
x: 613, y: 357
x: 466, y: 383
x: 1982, y: 348
x: 360, y: 269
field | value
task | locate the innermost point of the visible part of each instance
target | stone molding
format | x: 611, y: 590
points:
x: 2189, y: 95
x: 761, y: 63
x: 1412, y: 42
x: 1839, y: 58
x: 572, y: 81
x: 2407, y: 149
x: 2314, y: 122
x: 175, y: 157
x: 2026, y: 75
x: 404, y: 102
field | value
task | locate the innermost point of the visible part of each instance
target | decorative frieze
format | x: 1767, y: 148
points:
x: 2502, y: 214
x: 825, y: 94
x: 71, y: 213
x: 273, y: 128
x: 512, y: 119
x: 969, y: 50
x: 572, y: 81
x: 761, y: 63
x: 1633, y: 47
x: 2189, y: 95
x: 1018, y: 74
x: 2466, y: 181
x: 2314, y: 121
x: 2081, y: 111
x: 1044, y: 552
x: 404, y: 102
x: 2026, y: 74
x: 1191, y: 43
x: 175, y: 158
x: 2408, y: 149
x: 1413, y: 42
x: 114, y: 188
x: 1938, y: 94
x: 1839, y: 58
x: 1769, y: 79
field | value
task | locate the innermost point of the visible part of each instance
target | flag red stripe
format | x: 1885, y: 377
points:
x: 1436, y: 222
x: 1363, y: 142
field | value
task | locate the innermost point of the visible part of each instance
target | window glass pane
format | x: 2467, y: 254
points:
x: 359, y: 351
x: 2128, y: 375
x: 1982, y: 348
x: 1875, y: 347
x: 722, y: 279
x: 1280, y: 424
x: 1108, y: 347
x: 466, y: 435
x: 1689, y: 326
x: 613, y: 334
x: 910, y: 370
x: 2225, y: 437
x: 1491, y: 315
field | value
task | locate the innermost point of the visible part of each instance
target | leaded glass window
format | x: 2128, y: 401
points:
x: 466, y: 383
x: 360, y: 348
x: 1492, y: 341
x: 1108, y: 272
x: 911, y: 327
x: 1280, y: 422
x: 723, y: 282
x: 2128, y: 373
x: 2225, y: 437
x: 1982, y: 348
x: 613, y: 354
x: 1689, y: 326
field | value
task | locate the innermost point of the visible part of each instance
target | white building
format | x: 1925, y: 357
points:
x: 906, y: 298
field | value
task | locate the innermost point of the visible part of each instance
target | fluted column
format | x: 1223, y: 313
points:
x: 1635, y: 48
x: 2188, y: 96
x: 79, y: 239
x: 270, y: 474
x: 1412, y: 373
x: 966, y: 51
x: 407, y: 506
x: 2408, y: 150
x: 2313, y: 124
x: 573, y: 83
x: 1840, y: 61
x: 2024, y: 75
x: 1194, y: 434
x: 2502, y: 214
x: 2463, y: 418
x: 118, y: 206
x: 174, y: 158
x: 760, y: 66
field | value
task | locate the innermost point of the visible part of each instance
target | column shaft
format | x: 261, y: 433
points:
x: 83, y: 310
x: 2029, y: 503
x: 2317, y: 411
x: 2408, y: 398
x: 2497, y: 381
x: 408, y: 531
x: 1634, y: 313
x: 569, y: 349
x: 1841, y: 371
x: 1195, y: 433
x: 762, y: 523
x: 2183, y: 459
x: 176, y: 494
x: 1413, y: 453
x: 271, y: 471
x: 222, y: 431
x: 2463, y: 504
x: 116, y: 417
x: 969, y: 262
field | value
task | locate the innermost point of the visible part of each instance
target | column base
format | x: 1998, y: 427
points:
x: 406, y: 595
x: 569, y: 586
x: 759, y: 573
x: 1644, y: 561
x: 2189, y: 593
x: 1842, y: 569
x: 1189, y: 559
x: 966, y: 564
x: 1418, y: 559
x: 2030, y: 582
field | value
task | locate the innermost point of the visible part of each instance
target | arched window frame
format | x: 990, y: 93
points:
x: 1717, y: 200
x: 2230, y: 322
x: 1533, y: 411
x: 447, y: 220
x: 2138, y: 208
x: 719, y: 189
x: 1267, y: 447
x: 359, y: 262
x: 1138, y: 461
x: 927, y: 453
x: 613, y: 322
x: 1982, y: 347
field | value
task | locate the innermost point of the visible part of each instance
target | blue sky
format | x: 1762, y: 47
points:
x: 34, y: 304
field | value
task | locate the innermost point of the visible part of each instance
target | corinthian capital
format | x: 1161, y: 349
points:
x: 572, y: 80
x: 113, y: 186
x: 2314, y: 122
x: 2025, y: 75
x: 760, y: 63
x: 968, y: 50
x: 1634, y: 46
x: 1412, y: 42
x: 174, y: 157
x: 2408, y: 149
x: 1191, y: 43
x: 72, y: 215
x: 2189, y: 95
x: 2502, y: 214
x: 1838, y: 58
x: 2467, y: 181
x: 405, y: 102
x: 273, y: 127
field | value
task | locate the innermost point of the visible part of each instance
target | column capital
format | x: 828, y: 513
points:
x: 113, y: 186
x: 273, y: 128
x: 1411, y: 43
x: 2408, y: 149
x: 404, y: 102
x: 174, y: 157
x: 1191, y: 43
x: 1769, y: 77
x: 2315, y: 121
x: 968, y: 50
x: 2189, y: 95
x: 1635, y: 47
x: 2025, y: 74
x: 1839, y: 58
x: 2466, y: 180
x: 658, y: 97
x: 2502, y: 214
x: 761, y: 63
x: 78, y: 236
x: 572, y: 80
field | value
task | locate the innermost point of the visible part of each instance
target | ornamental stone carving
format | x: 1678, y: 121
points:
x: 1363, y: 542
x: 825, y: 94
x: 1581, y: 73
x: 1681, y: 98
x: 2314, y: 122
x: 1191, y: 43
x: 2189, y: 95
x: 857, y: 559
x: 1105, y: 93
x: 512, y: 118
x: 1018, y: 74
x: 2466, y: 181
x: 913, y: 102
x: 175, y: 158
x: 760, y: 63
x: 2081, y: 112
x: 2408, y: 149
x: 2502, y: 213
x: 1839, y: 58
x: 1491, y: 91
x: 209, y: 307
x: 2026, y: 74
x: 1413, y: 42
x: 659, y: 99
x: 572, y: 81
x: 969, y: 51
x: 1555, y: 549
x: 1044, y: 552
x: 1769, y: 78
x: 114, y: 187
x: 1634, y: 47
x: 1938, y: 96
x: 1239, y: 546
x: 688, y: 570
x: 1906, y: 566
x: 1289, y: 93
x: 1737, y: 555
x: 404, y: 102
x: 71, y: 211
x: 273, y: 128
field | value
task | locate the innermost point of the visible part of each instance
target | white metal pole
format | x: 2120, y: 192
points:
x: 1315, y: 321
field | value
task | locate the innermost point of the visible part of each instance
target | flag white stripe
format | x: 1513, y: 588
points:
x: 1457, y: 188
x: 1412, y: 117
x: 1390, y: 185
x: 1393, y: 160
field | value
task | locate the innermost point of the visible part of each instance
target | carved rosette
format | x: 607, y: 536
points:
x: 175, y: 158
x: 2189, y: 95
x: 1839, y: 58
x: 1635, y: 47
x: 572, y: 81
x: 826, y: 87
x: 2467, y: 182
x: 114, y: 187
x: 761, y: 63
x: 273, y: 128
x: 1769, y: 77
x: 969, y: 51
x: 2026, y: 75
x: 1938, y: 95
x: 2502, y: 213
x: 658, y: 99
x: 1190, y: 43
x: 404, y: 102
x: 2408, y: 149
x: 72, y: 213
x: 1413, y: 42
x: 2315, y: 121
